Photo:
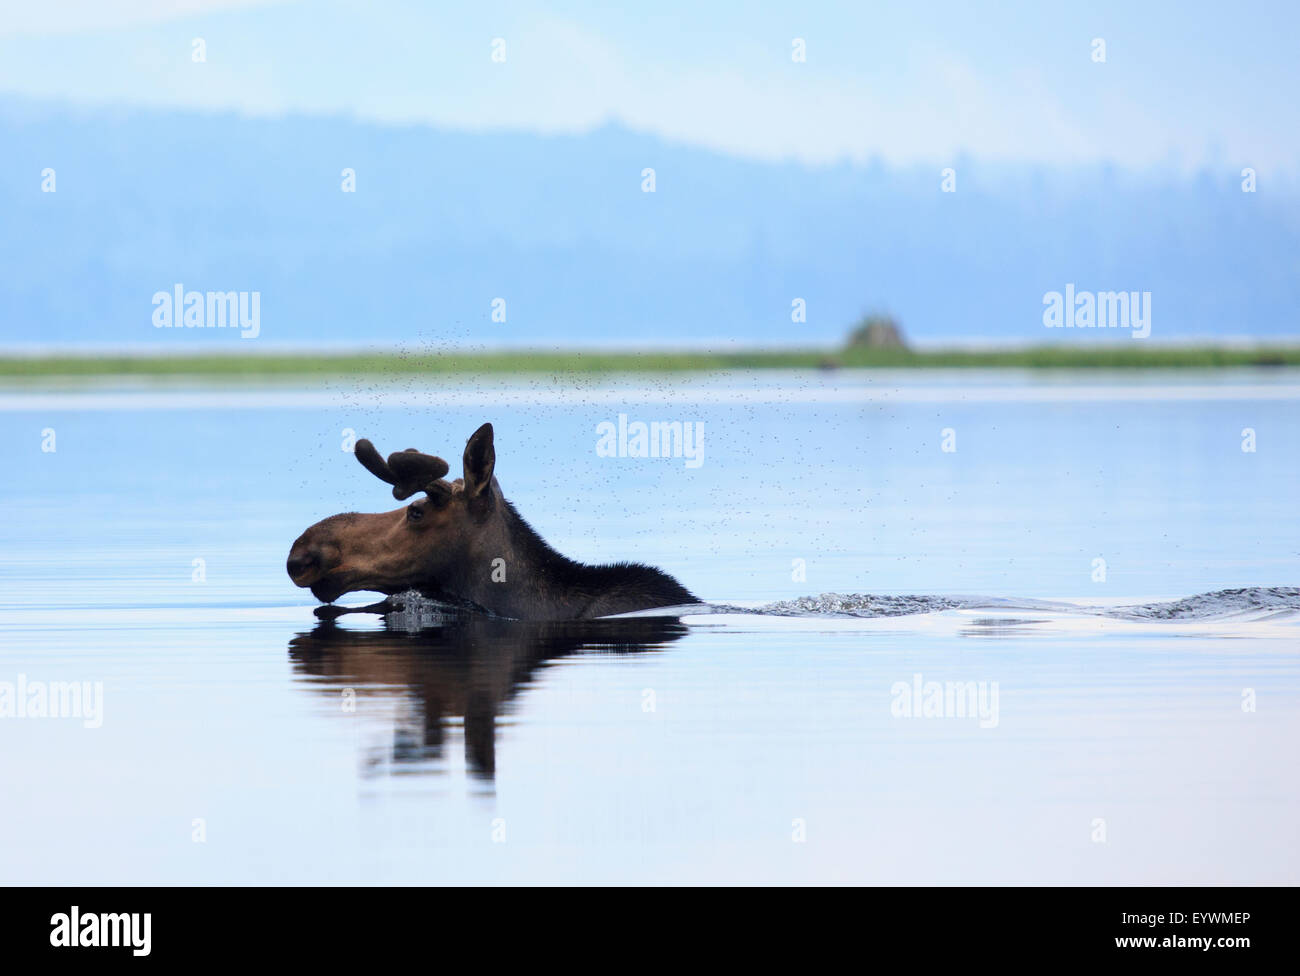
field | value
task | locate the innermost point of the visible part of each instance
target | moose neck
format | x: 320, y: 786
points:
x: 517, y: 574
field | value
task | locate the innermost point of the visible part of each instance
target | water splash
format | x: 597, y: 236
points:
x: 413, y: 611
x: 1253, y: 600
x: 1256, y: 601
x: 866, y: 605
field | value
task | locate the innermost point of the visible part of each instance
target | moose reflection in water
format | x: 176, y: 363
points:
x: 468, y: 665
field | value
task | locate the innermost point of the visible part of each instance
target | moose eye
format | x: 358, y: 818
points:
x: 414, y: 513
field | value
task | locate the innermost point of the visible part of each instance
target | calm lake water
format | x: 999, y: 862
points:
x: 242, y: 740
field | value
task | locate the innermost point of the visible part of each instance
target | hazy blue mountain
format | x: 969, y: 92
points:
x: 442, y: 223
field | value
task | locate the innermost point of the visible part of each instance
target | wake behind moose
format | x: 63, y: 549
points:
x: 464, y: 543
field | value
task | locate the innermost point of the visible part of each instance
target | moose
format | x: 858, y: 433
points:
x: 464, y: 544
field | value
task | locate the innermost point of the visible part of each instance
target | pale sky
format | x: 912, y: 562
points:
x: 1184, y: 85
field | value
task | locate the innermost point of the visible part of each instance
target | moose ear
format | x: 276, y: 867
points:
x: 480, y: 460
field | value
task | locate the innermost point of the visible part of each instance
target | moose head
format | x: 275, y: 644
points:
x: 463, y: 542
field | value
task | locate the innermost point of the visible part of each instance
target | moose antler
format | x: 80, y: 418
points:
x: 407, y: 471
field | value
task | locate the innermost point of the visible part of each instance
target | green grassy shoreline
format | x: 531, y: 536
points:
x: 523, y: 361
